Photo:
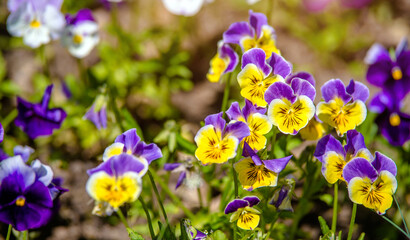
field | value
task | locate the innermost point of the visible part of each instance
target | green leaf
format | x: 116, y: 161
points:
x: 323, y: 225
x: 172, y: 142
x: 361, y: 236
x: 184, y: 235
x: 327, y: 198
x: 218, y: 235
x: 133, y: 235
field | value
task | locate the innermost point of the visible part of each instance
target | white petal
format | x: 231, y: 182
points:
x: 43, y: 172
x: 34, y: 37
x: 19, y: 21
x: 54, y: 20
x: 16, y: 163
x: 183, y: 7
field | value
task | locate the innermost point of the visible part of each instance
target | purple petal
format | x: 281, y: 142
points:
x: 316, y: 5
x: 66, y: 90
x: 303, y: 75
x: 234, y: 205
x: 216, y: 120
x: 1, y: 133
x: 249, y: 109
x: 334, y: 88
x: 253, y: 200
x: 354, y: 142
x: 199, y: 235
x: 277, y: 165
x: 358, y: 91
x: 380, y: 102
x: 238, y: 129
x: 359, y: 167
x: 181, y: 179
x: 396, y: 135
x: 81, y: 16
x: 379, y: 72
x: 279, y: 90
x: 384, y: 163
x: 236, y: 32
x: 171, y: 166
x: 326, y: 144
x: 303, y: 87
x: 120, y: 164
x: 46, y: 97
x: 256, y: 56
x: 227, y: 51
x: 43, y: 172
x: 377, y: 53
x: 16, y: 165
x: 150, y: 151
x: 129, y: 138
x: 402, y: 47
x: 249, y: 152
x: 279, y: 65
x: 257, y: 20
x: 234, y: 112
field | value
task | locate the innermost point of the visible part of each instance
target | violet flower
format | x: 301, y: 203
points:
x: 1, y: 133
x: 98, y: 112
x: 36, y: 119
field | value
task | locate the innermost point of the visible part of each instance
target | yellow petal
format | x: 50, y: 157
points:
x: 218, y: 66
x: 113, y: 150
x: 252, y: 176
x: 334, y: 164
x: 288, y: 117
x: 248, y: 221
x: 259, y: 125
x: 313, y: 131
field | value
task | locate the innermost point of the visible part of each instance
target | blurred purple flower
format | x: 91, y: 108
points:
x: 391, y: 73
x: 25, y: 201
x: 36, y: 119
x: 1, y: 133
x: 98, y: 113
x: 393, y: 124
x: 320, y: 5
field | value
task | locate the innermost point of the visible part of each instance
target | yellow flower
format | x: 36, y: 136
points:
x: 252, y: 176
x: 313, y: 131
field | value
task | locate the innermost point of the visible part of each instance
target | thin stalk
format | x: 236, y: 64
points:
x: 151, y: 229
x: 9, y: 118
x: 395, y: 225
x: 401, y: 214
x: 349, y: 235
x: 154, y: 186
x: 235, y: 178
x: 272, y: 226
x: 273, y: 142
x: 9, y: 232
x: 201, y: 204
x: 116, y: 112
x: 174, y: 198
x: 335, y: 199
x: 235, y: 231
x: 122, y: 218
x: 226, y: 94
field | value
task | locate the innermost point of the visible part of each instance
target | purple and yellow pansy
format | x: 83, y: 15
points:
x: 291, y: 106
x: 254, y: 172
x: 372, y: 183
x: 258, y: 74
x: 115, y: 182
x: 225, y: 61
x: 217, y: 141
x: 245, y: 216
x: 254, y: 117
x: 343, y: 107
x: 255, y: 34
x: 334, y: 156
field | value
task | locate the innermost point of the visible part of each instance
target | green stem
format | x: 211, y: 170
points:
x: 226, y: 94
x: 235, y: 178
x: 174, y: 198
x: 116, y: 112
x: 122, y: 218
x: 9, y: 118
x: 235, y: 231
x: 151, y: 230
x: 395, y: 225
x: 42, y: 53
x: 9, y: 232
x: 401, y: 214
x: 201, y: 204
x: 272, y: 148
x: 349, y: 236
x: 25, y: 235
x: 272, y: 226
x: 335, y: 199
x: 154, y: 186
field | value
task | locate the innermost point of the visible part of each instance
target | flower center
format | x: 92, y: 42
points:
x: 394, y: 119
x: 396, y: 73
x: 77, y: 39
x: 35, y: 23
x: 20, y: 202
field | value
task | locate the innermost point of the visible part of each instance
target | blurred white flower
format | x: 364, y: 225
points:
x: 251, y: 2
x: 183, y: 7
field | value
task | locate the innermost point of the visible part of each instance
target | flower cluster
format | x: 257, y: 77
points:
x: 39, y: 22
x: 118, y: 179
x: 392, y: 75
x: 29, y: 193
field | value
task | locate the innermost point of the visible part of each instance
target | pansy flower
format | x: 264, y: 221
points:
x: 291, y: 106
x: 80, y: 33
x: 314, y: 130
x: 343, y: 107
x: 187, y: 174
x: 257, y: 74
x: 36, y: 119
x: 97, y: 113
x: 333, y: 156
x: 217, y: 141
x: 223, y: 62
x: 116, y: 181
x: 393, y: 124
x: 255, y: 34
x: 186, y: 8
x: 130, y: 143
x: 392, y: 74
x: 244, y: 214
x: 25, y: 201
x: 254, y: 117
x: 282, y: 197
x: 193, y: 233
x: 254, y: 172
x: 37, y: 22
x: 23, y: 151
x: 372, y: 183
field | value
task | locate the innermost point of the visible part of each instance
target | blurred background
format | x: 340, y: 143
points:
x: 156, y: 63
